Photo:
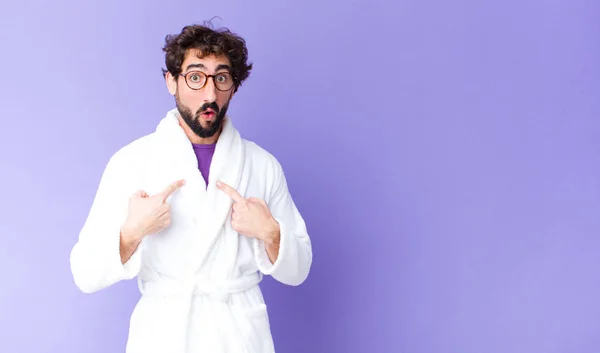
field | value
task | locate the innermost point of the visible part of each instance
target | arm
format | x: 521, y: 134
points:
x: 105, y: 252
x: 288, y: 256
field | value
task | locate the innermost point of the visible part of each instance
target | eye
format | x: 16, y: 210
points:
x: 222, y: 78
x: 195, y: 77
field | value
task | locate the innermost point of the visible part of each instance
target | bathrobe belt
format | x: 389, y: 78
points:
x: 183, y: 292
x: 201, y: 286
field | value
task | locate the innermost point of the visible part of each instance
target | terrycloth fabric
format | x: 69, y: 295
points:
x: 198, y: 277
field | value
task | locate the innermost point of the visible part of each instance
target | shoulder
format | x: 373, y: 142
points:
x: 262, y: 158
x: 136, y: 148
x: 267, y: 170
x: 131, y: 154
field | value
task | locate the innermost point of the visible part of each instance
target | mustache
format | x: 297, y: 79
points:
x: 205, y: 106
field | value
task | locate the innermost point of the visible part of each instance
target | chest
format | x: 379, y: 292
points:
x: 199, y: 195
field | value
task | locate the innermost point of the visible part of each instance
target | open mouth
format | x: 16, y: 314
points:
x: 208, y: 114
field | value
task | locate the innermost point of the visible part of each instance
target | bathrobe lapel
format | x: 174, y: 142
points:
x: 211, y: 206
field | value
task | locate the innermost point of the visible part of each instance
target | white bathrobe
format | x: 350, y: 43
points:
x: 198, y: 277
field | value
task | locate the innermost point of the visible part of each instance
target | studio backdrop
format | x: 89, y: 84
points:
x: 444, y: 154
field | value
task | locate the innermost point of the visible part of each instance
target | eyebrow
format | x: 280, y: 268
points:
x: 201, y: 66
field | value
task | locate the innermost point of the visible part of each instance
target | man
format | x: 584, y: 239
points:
x: 197, y: 213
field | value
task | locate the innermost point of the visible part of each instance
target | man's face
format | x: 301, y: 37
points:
x: 203, y: 109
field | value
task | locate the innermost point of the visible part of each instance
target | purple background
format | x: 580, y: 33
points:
x: 444, y: 154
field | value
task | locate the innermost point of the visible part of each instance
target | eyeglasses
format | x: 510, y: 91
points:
x: 197, y: 80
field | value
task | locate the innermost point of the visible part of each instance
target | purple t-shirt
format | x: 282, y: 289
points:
x: 204, y: 154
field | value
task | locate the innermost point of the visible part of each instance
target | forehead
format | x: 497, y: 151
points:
x: 209, y: 62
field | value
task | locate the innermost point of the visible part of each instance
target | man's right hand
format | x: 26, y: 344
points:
x: 146, y: 215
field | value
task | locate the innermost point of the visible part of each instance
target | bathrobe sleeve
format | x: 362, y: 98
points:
x: 95, y: 258
x: 295, y: 251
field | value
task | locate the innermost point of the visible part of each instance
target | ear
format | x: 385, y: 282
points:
x: 171, y: 83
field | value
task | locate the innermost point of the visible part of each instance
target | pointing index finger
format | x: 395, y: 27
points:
x: 169, y: 190
x: 230, y: 191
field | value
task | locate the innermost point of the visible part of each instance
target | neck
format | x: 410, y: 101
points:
x: 195, y: 139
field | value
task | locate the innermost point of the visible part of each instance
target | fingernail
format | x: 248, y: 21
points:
x: 218, y: 183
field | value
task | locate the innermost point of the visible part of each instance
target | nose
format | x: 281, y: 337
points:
x: 210, y: 91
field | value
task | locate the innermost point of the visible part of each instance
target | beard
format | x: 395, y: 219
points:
x: 194, y: 120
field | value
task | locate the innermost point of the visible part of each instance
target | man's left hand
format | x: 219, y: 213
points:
x: 252, y: 217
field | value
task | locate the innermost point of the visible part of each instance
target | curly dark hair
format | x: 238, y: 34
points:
x: 209, y: 41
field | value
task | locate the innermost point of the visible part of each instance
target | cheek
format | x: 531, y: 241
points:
x: 222, y: 98
x: 190, y: 99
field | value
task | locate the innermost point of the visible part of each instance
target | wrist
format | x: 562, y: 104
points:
x: 130, y: 238
x: 272, y: 234
x: 130, y: 234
